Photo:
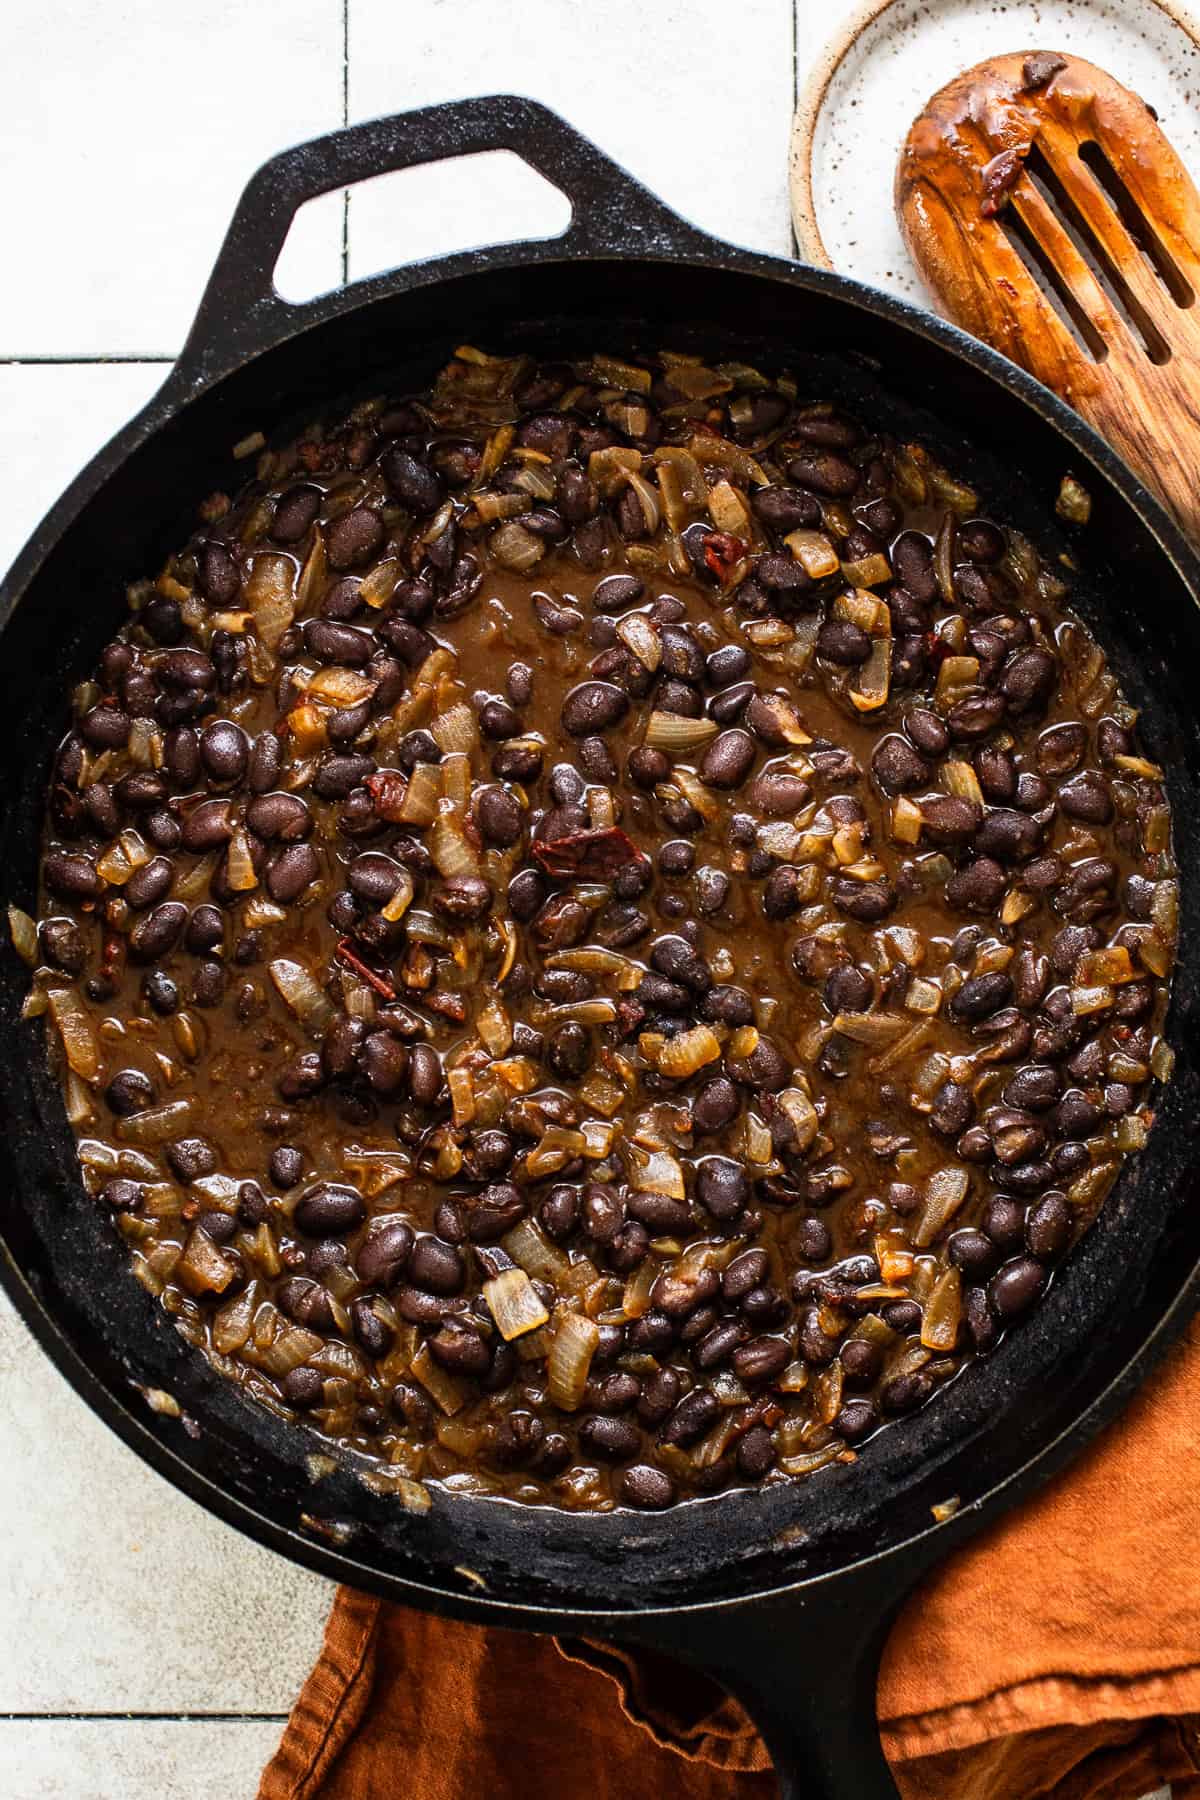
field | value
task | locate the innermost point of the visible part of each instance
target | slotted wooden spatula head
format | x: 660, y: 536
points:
x: 1051, y: 217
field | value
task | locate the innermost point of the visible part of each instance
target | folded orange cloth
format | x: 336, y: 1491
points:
x: 1056, y: 1657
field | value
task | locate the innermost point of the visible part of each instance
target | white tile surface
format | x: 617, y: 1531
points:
x: 127, y: 130
x: 93, y: 1759
x: 118, y: 1594
x: 53, y: 418
x: 693, y: 96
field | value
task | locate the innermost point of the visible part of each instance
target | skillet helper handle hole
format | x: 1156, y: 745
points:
x: 242, y: 311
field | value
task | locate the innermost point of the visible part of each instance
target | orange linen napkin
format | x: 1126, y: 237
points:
x: 1056, y: 1657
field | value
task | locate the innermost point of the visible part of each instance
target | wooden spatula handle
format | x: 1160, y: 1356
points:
x: 1042, y: 162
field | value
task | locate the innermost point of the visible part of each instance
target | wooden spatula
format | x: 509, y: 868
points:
x: 1051, y: 217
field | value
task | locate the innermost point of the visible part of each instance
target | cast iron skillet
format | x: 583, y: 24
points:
x: 784, y: 1594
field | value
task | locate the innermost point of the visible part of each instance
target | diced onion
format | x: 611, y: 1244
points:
x: 514, y: 1304
x: 942, y: 1312
x: 1105, y: 968
x: 690, y: 1050
x: 572, y: 1348
x: 872, y: 682
x: 157, y: 1124
x: 269, y: 593
x: 302, y: 994
x: 80, y: 1043
x: 640, y: 638
x: 449, y: 846
x: 555, y: 1149
x: 814, y: 552
x: 678, y: 735
x: 420, y: 803
x: 532, y: 1250
x: 24, y: 935
x: 456, y: 729
x: 514, y: 547
x: 445, y: 1388
x: 239, y: 863
x: 945, y: 1192
x: 655, y: 1171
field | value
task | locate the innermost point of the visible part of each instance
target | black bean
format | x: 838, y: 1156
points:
x: 186, y: 670
x: 291, y: 871
x: 286, y: 1167
x: 866, y: 901
x: 761, y: 1359
x: 841, y: 641
x: 62, y: 944
x: 190, y: 1158
x: 952, y: 1110
x: 1028, y: 679
x: 385, y: 1252
x: 218, y: 575
x: 728, y: 759
x: 646, y: 1487
x: 861, y: 1362
x: 462, y: 897
x: 328, y: 1209
x: 856, y: 1420
x: 785, y: 509
x: 72, y: 875
x: 158, y: 932
x: 577, y: 496
x: 1007, y: 835
x: 208, y: 825
x: 161, y: 992
x: 1086, y: 797
x: 783, y: 892
x: 927, y: 732
x: 1015, y: 1287
x: 147, y: 885
x: 897, y: 767
x: 1048, y: 1226
x: 781, y: 575
x: 354, y: 538
x: 413, y: 482
x: 981, y: 995
x: 295, y: 511
x: 458, y: 1347
x: 332, y: 642
x: 424, y: 1074
x: 266, y: 760
x: 1061, y: 748
x: 715, y: 1106
x: 691, y: 1418
x: 613, y: 1440
x: 279, y: 817
x: 949, y: 819
x: 593, y: 707
x: 825, y: 473
x: 437, y: 1266
x: 848, y: 989
x: 224, y: 751
x: 977, y: 886
x: 128, y: 1092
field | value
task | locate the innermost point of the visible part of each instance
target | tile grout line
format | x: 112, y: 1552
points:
x: 69, y: 361
x: 143, y: 1718
x: 345, y: 121
x: 795, y: 95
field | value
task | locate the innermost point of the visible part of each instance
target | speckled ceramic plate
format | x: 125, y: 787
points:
x: 864, y: 89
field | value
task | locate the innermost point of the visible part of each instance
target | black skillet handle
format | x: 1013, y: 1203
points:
x: 241, y: 312
x: 805, y: 1667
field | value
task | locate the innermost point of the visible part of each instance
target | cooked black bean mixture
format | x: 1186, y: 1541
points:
x: 607, y: 930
